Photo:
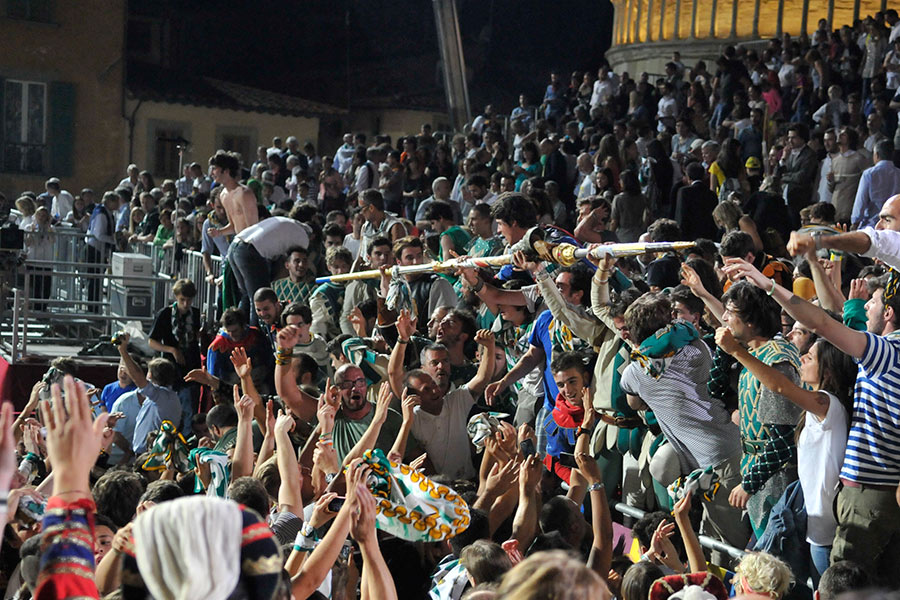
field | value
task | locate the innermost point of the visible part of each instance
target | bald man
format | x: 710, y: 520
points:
x: 881, y: 242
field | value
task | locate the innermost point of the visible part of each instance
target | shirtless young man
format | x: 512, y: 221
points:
x: 238, y: 200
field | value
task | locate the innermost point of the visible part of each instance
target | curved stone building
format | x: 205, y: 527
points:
x: 646, y: 32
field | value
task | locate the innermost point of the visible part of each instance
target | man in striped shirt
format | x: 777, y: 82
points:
x: 672, y: 382
x: 868, y: 515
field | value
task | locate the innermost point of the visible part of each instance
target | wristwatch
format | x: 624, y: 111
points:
x: 580, y: 431
x: 817, y: 239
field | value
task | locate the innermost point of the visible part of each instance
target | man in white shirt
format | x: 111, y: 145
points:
x: 343, y: 157
x: 604, y: 87
x: 255, y: 247
x: 440, y: 419
x: 132, y: 179
x: 62, y: 201
x: 667, y: 107
x: 366, y: 176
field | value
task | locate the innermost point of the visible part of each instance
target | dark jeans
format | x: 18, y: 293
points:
x: 40, y: 287
x: 94, y: 284
x: 251, y: 271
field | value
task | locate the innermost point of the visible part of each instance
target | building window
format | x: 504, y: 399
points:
x: 30, y: 10
x: 170, y: 143
x: 238, y: 139
x: 24, y: 126
x: 237, y: 143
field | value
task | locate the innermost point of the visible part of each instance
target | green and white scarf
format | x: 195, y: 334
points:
x: 411, y: 506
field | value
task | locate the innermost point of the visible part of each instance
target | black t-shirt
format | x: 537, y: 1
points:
x: 162, y: 333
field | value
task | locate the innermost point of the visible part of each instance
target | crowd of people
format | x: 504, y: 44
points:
x: 466, y: 433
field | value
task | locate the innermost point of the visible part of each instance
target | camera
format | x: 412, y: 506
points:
x: 116, y: 338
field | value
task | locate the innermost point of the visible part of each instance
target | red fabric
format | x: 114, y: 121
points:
x: 225, y: 345
x: 567, y: 416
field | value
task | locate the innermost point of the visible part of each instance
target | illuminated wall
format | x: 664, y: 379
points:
x: 639, y: 21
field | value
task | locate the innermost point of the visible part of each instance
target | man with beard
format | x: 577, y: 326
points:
x: 355, y: 413
x: 439, y: 420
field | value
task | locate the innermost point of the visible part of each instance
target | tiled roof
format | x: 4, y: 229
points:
x: 153, y: 83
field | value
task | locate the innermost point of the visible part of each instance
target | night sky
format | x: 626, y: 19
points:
x: 301, y: 47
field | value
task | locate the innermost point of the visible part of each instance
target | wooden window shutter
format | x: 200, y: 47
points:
x: 61, y: 128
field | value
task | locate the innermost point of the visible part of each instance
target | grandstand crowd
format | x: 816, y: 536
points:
x: 468, y: 432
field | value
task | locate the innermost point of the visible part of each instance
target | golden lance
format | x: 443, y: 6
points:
x: 533, y: 245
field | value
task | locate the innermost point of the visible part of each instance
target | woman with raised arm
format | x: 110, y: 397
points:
x: 829, y: 374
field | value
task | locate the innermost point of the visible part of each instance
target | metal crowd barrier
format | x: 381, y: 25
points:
x: 705, y: 540
x: 70, y: 316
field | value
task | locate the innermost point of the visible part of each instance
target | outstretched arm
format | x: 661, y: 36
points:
x: 773, y: 379
x: 476, y: 385
x: 406, y: 328
x: 814, y: 318
x: 136, y: 374
x: 696, y: 560
x: 289, y: 492
x: 692, y: 280
x: 242, y: 461
x: 398, y: 450
x: 370, y: 436
x: 301, y: 404
x: 243, y: 367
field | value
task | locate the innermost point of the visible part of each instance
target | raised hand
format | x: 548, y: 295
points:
x: 530, y: 472
x: 522, y: 262
x: 738, y: 267
x: 325, y: 457
x: 321, y: 514
x: 406, y: 324
x: 270, y: 418
x: 590, y: 415
x: 801, y: 244
x: 589, y: 467
x: 383, y: 402
x: 507, y: 438
x: 7, y: 446
x: 468, y: 274
x: 358, y: 322
x: 418, y: 463
x: 362, y: 527
x: 284, y: 424
x: 683, y: 507
x: 200, y: 376
x: 738, y: 498
x: 725, y: 340
x: 288, y: 337
x: 491, y: 391
x: 242, y: 364
x: 690, y: 278
x: 485, y: 337
x: 661, y: 546
x: 244, y: 408
x: 410, y: 402
x: 325, y: 414
x: 332, y: 395
x: 500, y: 479
x: 73, y: 440
x: 859, y: 289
